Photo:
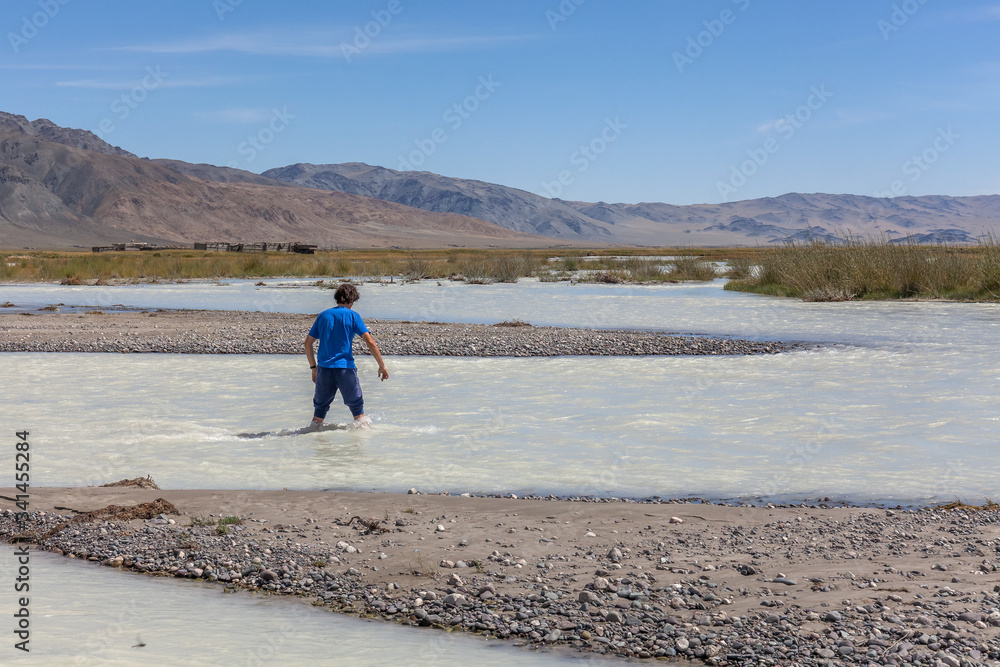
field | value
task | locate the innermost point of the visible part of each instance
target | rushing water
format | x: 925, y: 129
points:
x: 901, y: 408
x: 83, y: 614
x: 899, y: 405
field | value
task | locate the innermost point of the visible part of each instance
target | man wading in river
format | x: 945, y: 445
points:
x: 335, y: 329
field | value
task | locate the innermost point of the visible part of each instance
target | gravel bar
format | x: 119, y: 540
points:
x: 242, y: 332
x: 785, y: 585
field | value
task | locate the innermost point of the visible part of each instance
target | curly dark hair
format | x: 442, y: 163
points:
x: 346, y: 293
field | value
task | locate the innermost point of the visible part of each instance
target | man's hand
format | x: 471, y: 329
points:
x: 383, y: 374
x: 314, y: 375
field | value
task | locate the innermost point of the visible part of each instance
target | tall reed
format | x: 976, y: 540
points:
x: 873, y: 269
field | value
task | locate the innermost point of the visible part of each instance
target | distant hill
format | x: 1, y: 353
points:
x: 801, y: 217
x: 508, y: 207
x: 795, y: 217
x: 209, y: 172
x: 46, y: 129
x: 58, y: 195
x: 62, y: 186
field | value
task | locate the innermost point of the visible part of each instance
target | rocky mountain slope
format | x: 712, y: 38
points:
x: 508, y: 207
x: 46, y: 129
x: 793, y: 217
x: 59, y: 189
x: 62, y: 186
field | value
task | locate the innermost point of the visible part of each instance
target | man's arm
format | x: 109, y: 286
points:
x: 373, y: 348
x: 310, y: 355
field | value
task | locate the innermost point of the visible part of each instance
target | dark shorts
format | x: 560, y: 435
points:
x: 328, y: 382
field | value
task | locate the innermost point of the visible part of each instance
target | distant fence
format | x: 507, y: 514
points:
x: 132, y: 245
x: 219, y: 246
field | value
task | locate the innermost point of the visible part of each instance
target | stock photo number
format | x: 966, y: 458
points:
x: 22, y: 469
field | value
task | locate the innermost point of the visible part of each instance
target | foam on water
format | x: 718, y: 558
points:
x: 902, y: 407
x: 847, y: 422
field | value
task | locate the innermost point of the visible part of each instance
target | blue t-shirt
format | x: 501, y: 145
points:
x: 335, y: 328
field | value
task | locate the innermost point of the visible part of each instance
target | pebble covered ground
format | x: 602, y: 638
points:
x: 788, y: 585
x: 243, y: 332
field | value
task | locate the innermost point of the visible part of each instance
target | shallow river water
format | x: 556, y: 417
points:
x: 84, y: 614
x: 898, y: 405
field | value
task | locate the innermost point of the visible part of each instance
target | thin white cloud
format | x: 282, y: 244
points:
x: 317, y: 44
x: 165, y: 82
x: 849, y: 116
x: 90, y: 68
x: 990, y: 68
x: 237, y: 115
x: 982, y: 14
x: 861, y: 116
x: 770, y: 125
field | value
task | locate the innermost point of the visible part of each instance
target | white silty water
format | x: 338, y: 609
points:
x: 82, y: 614
x: 901, y: 408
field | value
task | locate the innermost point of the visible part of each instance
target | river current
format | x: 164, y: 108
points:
x: 890, y: 403
x: 898, y: 403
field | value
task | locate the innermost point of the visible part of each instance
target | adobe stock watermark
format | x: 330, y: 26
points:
x: 363, y: 35
x: 562, y: 13
x: 454, y: 116
x: 900, y: 16
x: 32, y: 25
x: 586, y: 155
x: 258, y: 142
x: 799, y: 457
x: 918, y: 165
x: 466, y: 454
x: 223, y: 7
x: 269, y: 645
x: 696, y: 44
x: 124, y: 105
x: 787, y: 127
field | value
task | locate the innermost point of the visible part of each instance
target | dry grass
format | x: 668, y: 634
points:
x: 646, y: 271
x: 498, y: 267
x: 872, y: 269
x: 421, y: 566
x: 141, y: 482
x: 959, y: 505
x: 692, y: 268
x: 80, y: 267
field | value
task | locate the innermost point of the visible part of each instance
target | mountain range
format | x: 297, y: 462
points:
x: 790, y: 217
x: 60, y: 189
x: 63, y: 186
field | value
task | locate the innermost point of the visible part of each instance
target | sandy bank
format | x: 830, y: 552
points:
x: 790, y: 585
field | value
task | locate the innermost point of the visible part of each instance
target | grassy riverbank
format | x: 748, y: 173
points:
x: 854, y: 269
x: 871, y: 269
x: 475, y: 266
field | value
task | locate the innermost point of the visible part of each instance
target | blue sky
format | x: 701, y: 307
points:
x: 627, y: 101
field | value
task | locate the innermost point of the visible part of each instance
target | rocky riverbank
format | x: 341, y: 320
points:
x: 720, y: 585
x: 241, y: 332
